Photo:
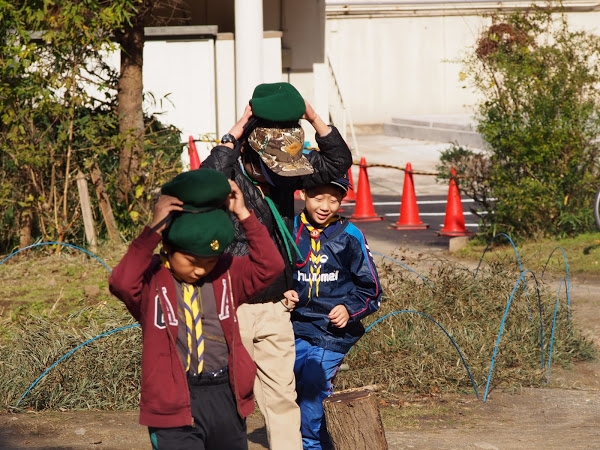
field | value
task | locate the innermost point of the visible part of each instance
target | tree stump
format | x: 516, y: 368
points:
x: 353, y: 421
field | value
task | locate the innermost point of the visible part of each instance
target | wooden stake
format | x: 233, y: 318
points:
x: 86, y: 211
x: 353, y: 421
x: 107, y: 213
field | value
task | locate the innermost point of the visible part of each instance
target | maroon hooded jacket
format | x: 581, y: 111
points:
x: 148, y: 290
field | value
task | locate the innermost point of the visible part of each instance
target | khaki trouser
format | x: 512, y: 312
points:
x: 268, y: 336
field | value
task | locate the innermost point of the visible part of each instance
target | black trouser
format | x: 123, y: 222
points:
x: 217, y: 424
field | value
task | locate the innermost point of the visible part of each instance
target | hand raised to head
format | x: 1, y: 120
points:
x: 236, y: 203
x: 162, y: 208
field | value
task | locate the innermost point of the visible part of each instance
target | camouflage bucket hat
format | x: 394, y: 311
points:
x: 281, y: 150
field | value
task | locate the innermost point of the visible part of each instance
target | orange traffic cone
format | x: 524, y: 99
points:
x: 454, y: 221
x: 409, y: 211
x: 364, y: 210
x: 351, y: 195
x: 193, y: 152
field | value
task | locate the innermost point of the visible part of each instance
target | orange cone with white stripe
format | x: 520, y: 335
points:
x: 409, y: 210
x: 364, y: 210
x: 454, y: 221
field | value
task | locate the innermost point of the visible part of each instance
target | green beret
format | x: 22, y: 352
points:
x: 200, y: 188
x: 277, y: 102
x: 203, y: 228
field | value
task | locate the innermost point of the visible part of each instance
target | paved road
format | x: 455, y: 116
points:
x: 384, y: 237
x: 386, y: 185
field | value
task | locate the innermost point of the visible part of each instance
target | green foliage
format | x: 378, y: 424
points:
x: 540, y: 116
x: 58, y: 116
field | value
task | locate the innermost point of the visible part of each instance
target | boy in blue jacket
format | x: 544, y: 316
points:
x: 336, y: 285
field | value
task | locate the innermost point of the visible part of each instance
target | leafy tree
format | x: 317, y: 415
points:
x: 540, y: 117
x: 59, y: 115
x: 131, y: 123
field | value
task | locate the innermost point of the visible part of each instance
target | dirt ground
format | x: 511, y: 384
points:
x: 564, y: 415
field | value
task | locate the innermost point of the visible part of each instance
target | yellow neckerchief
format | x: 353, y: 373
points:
x: 193, y: 320
x: 315, y: 248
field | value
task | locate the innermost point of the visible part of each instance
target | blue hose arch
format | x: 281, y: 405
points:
x: 56, y: 243
x: 501, y: 330
x: 39, y: 244
x: 566, y: 279
x: 499, y: 235
x: 70, y: 352
x: 402, y: 311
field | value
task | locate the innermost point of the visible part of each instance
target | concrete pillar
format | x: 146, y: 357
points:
x: 248, y: 50
x: 225, y: 83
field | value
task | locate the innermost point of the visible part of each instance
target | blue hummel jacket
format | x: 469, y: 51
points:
x: 348, y: 276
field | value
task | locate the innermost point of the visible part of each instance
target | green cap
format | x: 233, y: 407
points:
x: 277, y: 102
x: 203, y: 228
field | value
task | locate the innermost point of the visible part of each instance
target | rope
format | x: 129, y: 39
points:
x: 281, y: 226
x: 391, y: 166
x: 287, y: 237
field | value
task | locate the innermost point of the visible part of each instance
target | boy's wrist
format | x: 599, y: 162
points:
x: 243, y: 214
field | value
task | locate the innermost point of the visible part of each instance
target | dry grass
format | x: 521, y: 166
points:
x: 52, y: 304
x: 411, y: 352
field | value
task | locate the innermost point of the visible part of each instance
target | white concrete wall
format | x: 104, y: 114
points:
x: 179, y: 80
x: 398, y: 66
x: 191, y: 84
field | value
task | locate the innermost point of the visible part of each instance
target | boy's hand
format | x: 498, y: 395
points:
x: 315, y: 120
x: 339, y: 316
x: 163, y: 207
x: 237, y: 130
x: 235, y: 202
x: 290, y: 299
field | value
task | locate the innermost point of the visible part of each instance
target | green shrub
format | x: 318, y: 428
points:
x: 540, y: 117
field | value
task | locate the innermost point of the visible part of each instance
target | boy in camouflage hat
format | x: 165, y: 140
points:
x: 197, y: 378
x: 263, y: 154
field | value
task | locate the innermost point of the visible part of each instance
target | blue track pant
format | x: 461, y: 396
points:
x: 315, y: 369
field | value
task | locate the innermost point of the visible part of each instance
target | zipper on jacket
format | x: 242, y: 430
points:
x: 233, y: 358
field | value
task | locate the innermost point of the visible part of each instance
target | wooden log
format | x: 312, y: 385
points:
x: 86, y: 211
x: 103, y: 200
x: 353, y: 421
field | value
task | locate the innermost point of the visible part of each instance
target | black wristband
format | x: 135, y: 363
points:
x: 227, y: 138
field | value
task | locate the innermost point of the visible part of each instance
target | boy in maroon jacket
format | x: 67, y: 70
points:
x: 197, y: 377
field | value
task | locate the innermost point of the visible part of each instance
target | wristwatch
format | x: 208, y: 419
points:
x: 229, y: 138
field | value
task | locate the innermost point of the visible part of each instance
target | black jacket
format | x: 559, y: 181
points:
x: 332, y: 160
